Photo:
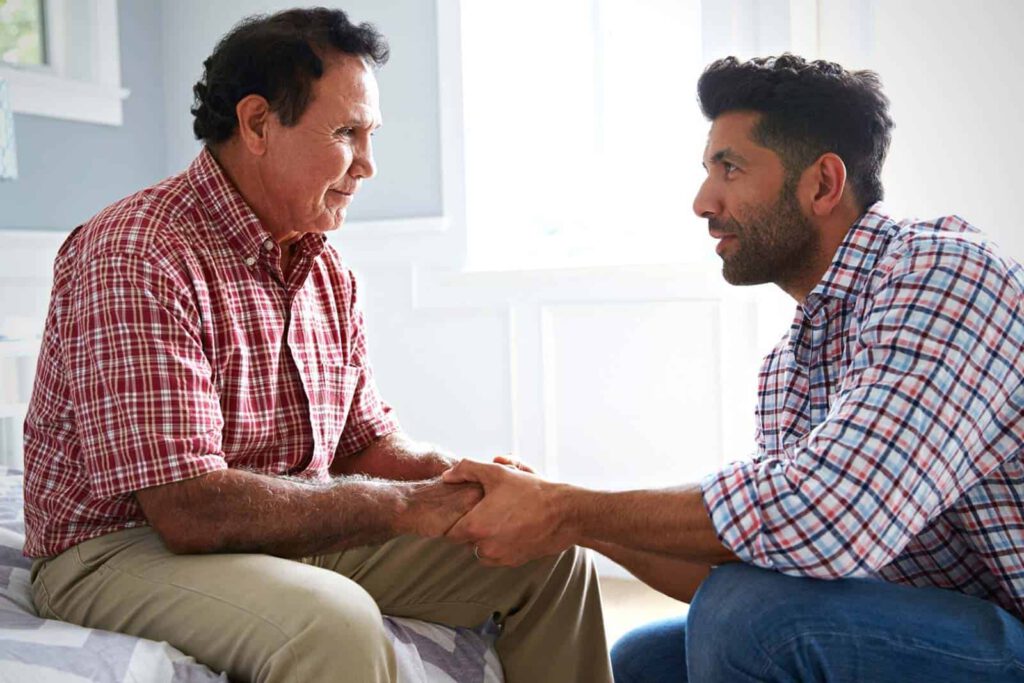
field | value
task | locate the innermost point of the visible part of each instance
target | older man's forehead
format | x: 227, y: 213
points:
x: 349, y: 88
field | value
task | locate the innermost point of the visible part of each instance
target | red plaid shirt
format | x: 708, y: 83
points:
x: 891, y: 420
x: 174, y: 347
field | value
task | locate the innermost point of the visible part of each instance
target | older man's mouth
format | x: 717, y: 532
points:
x: 340, y: 197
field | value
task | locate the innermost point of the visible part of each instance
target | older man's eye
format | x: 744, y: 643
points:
x: 344, y: 132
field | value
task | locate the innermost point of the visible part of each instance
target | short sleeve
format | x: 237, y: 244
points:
x: 143, y: 395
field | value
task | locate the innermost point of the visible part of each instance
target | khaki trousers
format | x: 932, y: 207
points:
x: 269, y: 619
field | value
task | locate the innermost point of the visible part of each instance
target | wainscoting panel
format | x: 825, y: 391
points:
x: 26, y: 275
x: 634, y: 397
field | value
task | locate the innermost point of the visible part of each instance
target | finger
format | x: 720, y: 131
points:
x: 459, y: 532
x: 514, y: 464
x: 467, y: 470
x: 462, y: 472
x: 484, y: 558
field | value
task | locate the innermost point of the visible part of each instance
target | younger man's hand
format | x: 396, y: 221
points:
x: 519, y: 519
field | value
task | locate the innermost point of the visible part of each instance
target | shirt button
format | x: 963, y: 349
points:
x: 251, y: 261
x: 269, y: 245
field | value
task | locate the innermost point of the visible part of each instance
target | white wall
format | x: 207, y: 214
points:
x: 952, y: 71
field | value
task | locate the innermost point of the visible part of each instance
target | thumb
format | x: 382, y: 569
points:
x: 465, y: 471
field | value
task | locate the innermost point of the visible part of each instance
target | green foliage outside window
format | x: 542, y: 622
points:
x: 21, y: 32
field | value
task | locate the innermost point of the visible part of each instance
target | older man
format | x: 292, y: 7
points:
x: 877, y: 533
x: 208, y: 460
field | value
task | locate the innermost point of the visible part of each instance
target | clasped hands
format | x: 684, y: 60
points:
x: 516, y: 516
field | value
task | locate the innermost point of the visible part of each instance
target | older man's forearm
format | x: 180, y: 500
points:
x: 396, y: 457
x: 239, y: 511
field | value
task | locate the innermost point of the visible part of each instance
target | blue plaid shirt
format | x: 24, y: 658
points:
x: 891, y: 420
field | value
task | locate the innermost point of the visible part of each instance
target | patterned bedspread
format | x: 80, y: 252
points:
x: 44, y: 650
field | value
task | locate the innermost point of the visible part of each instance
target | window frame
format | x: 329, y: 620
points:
x: 49, y: 91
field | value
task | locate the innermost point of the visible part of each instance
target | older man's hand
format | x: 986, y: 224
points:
x: 520, y: 518
x: 430, y: 508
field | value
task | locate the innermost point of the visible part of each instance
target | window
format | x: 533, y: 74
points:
x: 582, y: 136
x: 61, y: 58
x: 22, y: 38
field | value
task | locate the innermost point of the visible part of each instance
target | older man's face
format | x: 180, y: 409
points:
x: 313, y: 169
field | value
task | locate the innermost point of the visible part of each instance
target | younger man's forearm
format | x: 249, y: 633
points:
x: 670, y: 522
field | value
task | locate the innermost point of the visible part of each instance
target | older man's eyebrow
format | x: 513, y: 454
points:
x: 358, y: 120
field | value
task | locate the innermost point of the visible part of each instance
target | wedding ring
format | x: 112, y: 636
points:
x: 476, y: 552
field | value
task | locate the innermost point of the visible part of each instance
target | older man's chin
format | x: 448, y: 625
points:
x: 331, y: 220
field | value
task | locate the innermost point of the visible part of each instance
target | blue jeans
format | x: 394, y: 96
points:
x: 749, y: 624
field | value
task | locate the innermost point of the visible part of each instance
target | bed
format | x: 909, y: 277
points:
x: 48, y: 651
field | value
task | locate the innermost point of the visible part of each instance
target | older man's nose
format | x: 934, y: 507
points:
x: 363, y: 165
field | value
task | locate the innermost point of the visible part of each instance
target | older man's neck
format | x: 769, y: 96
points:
x: 237, y: 165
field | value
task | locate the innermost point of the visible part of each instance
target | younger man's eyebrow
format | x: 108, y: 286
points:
x: 728, y: 154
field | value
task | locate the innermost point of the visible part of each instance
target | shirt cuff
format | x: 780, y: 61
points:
x: 731, y: 499
x: 135, y: 476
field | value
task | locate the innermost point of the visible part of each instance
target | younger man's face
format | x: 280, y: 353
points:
x: 751, y: 207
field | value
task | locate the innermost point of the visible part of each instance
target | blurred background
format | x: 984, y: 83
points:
x: 536, y: 281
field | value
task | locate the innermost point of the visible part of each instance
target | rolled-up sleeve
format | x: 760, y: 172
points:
x: 145, y: 403
x: 931, y: 403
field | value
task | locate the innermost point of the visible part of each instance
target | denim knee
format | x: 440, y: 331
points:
x: 628, y: 657
x: 725, y: 622
x: 654, y: 653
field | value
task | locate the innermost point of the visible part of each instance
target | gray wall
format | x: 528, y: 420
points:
x: 67, y: 171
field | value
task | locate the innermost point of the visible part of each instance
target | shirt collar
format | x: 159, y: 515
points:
x: 856, y: 257
x: 234, y: 219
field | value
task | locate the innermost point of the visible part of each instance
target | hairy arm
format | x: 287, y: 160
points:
x: 240, y: 511
x: 395, y: 457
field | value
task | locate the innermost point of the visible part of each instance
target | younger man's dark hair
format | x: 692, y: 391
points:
x: 808, y: 109
x: 276, y: 56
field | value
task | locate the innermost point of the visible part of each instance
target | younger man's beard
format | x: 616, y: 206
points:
x: 773, y: 244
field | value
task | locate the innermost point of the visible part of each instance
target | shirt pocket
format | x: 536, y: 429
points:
x: 338, y: 387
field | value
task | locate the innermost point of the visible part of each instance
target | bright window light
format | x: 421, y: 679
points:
x: 582, y: 132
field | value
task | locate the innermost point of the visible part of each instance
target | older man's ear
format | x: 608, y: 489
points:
x: 253, y: 112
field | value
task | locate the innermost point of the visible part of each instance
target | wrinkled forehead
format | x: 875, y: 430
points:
x: 349, y: 74
x: 349, y: 87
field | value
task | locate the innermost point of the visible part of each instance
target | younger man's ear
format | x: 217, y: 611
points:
x: 827, y: 180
